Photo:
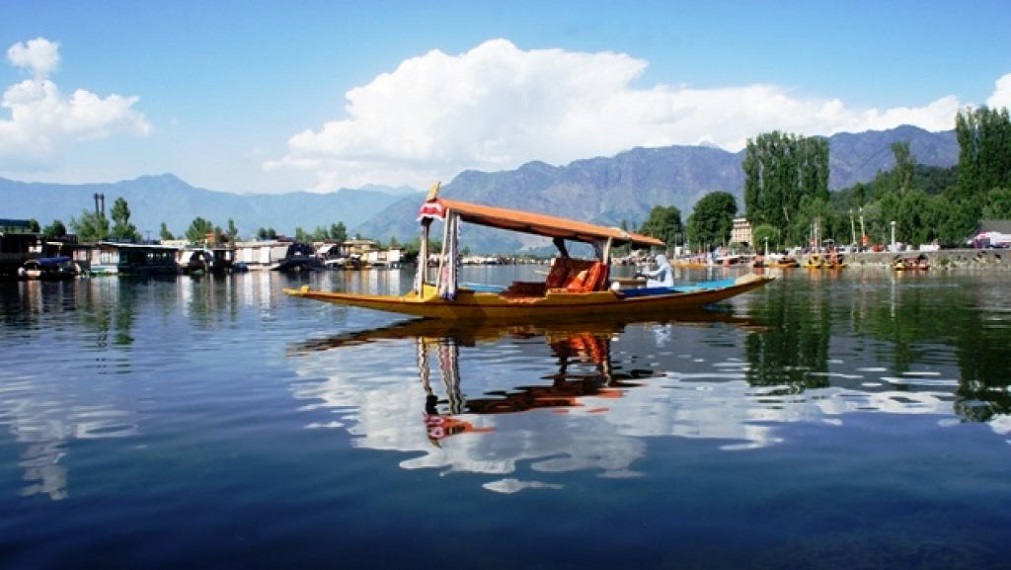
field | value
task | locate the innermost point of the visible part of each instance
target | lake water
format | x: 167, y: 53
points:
x: 859, y: 419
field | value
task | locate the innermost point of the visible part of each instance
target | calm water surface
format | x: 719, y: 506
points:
x: 859, y: 419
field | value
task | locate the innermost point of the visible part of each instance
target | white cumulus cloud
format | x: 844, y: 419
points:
x: 1002, y: 94
x: 497, y: 106
x: 43, y: 121
x: 40, y: 56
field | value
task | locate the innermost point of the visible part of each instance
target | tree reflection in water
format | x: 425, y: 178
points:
x: 913, y: 321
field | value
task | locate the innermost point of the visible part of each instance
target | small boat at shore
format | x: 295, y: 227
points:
x: 573, y: 288
x: 828, y: 260
x: 299, y: 257
x: 775, y: 261
x: 918, y: 263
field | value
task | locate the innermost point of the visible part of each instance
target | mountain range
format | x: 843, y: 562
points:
x: 604, y: 190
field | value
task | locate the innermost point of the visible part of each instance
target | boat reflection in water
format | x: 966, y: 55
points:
x: 584, y: 374
x: 508, y: 402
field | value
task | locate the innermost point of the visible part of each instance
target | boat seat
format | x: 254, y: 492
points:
x: 590, y: 279
x: 576, y: 275
x: 563, y: 270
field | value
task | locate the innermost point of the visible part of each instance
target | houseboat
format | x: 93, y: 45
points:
x: 260, y: 255
x: 142, y: 260
x: 199, y: 260
x: 18, y: 244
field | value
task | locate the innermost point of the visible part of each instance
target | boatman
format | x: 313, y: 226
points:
x: 662, y: 276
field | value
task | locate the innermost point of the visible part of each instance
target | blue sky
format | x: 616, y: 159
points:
x: 269, y: 96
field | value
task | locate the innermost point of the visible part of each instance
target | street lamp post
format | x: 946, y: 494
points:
x: 893, y: 235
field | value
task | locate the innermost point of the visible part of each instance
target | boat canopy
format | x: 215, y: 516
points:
x: 537, y: 224
x: 48, y: 261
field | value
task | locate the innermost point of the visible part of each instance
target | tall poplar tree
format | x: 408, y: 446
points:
x: 984, y: 158
x: 122, y: 229
x: 904, y: 166
x: 780, y: 170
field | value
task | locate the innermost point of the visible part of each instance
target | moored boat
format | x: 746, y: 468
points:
x: 782, y: 261
x: 50, y: 268
x: 829, y: 260
x: 573, y: 288
x: 299, y: 257
x: 918, y: 263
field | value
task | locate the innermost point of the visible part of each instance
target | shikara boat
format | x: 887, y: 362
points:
x: 573, y: 289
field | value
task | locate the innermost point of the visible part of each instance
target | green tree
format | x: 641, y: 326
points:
x: 91, y: 226
x: 904, y: 165
x: 164, y: 233
x: 914, y: 219
x: 233, y: 232
x: 779, y: 170
x: 958, y: 219
x: 999, y: 206
x: 55, y: 229
x: 266, y: 233
x: 712, y: 219
x: 664, y: 223
x: 338, y: 232
x: 813, y: 213
x: 765, y: 233
x: 198, y: 230
x: 984, y: 159
x: 122, y: 229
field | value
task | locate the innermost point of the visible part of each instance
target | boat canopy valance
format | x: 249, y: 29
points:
x: 537, y: 224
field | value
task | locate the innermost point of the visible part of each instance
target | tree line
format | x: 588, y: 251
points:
x: 93, y: 225
x: 786, y: 194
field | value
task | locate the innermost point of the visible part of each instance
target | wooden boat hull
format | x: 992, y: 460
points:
x: 490, y: 306
x: 903, y: 267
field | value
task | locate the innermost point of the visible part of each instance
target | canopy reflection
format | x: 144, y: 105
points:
x: 583, y: 375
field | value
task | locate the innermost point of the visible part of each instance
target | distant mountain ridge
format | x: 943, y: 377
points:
x: 166, y: 198
x: 625, y: 187
x: 605, y: 190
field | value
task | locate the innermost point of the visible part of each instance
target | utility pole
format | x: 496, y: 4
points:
x: 853, y: 229
x: 863, y: 232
